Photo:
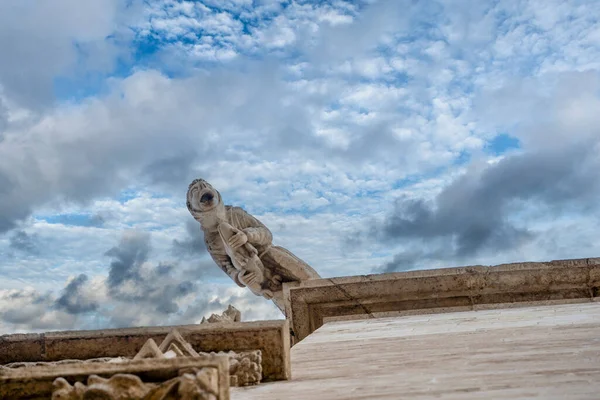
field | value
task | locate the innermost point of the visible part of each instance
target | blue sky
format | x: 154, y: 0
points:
x: 369, y: 136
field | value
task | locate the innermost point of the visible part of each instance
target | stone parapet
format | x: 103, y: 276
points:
x: 203, y: 377
x: 270, y: 337
x: 311, y: 303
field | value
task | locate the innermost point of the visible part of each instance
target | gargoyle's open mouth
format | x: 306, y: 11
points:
x: 202, y: 197
x: 204, y: 200
x: 207, y: 198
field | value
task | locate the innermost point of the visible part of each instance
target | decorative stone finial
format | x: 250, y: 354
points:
x: 230, y: 315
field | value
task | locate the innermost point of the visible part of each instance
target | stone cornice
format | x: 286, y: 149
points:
x: 312, y: 303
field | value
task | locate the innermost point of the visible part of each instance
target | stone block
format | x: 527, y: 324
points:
x: 28, y: 347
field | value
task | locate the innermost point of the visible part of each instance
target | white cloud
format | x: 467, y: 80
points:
x: 314, y: 117
x: 37, y: 44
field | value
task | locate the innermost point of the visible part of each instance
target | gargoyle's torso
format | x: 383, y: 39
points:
x: 214, y: 244
x: 236, y: 217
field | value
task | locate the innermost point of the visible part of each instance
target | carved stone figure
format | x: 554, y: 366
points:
x: 242, y: 246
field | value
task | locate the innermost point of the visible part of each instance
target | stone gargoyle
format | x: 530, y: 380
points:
x: 242, y: 246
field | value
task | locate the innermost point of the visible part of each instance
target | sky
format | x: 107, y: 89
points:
x: 369, y: 136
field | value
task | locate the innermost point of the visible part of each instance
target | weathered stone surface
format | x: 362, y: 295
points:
x: 241, y: 245
x: 311, y: 303
x: 23, y: 347
x: 149, y: 350
x: 197, y: 384
x: 207, y: 377
x: 175, y: 342
x: 542, y: 352
x: 28, y: 364
x: 245, y: 368
x: 271, y: 338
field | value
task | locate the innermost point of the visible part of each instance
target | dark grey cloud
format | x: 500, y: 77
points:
x: 72, y: 300
x: 128, y: 257
x: 177, y: 170
x: 156, y: 290
x: 430, y: 255
x: 24, y: 242
x: 27, y: 310
x: 476, y: 213
x: 132, y: 279
x: 484, y: 212
x: 193, y: 244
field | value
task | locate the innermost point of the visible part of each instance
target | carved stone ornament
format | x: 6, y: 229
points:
x: 245, y: 368
x: 242, y: 246
x: 174, y: 345
x: 204, y: 377
x: 199, y: 384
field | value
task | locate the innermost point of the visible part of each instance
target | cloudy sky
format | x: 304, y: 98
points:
x: 370, y: 136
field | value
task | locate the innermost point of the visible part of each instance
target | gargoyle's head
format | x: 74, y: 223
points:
x: 202, y: 197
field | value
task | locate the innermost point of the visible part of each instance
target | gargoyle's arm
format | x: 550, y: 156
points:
x: 257, y: 232
x: 224, y: 262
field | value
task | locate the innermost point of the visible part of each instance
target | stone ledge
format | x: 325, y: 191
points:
x: 38, y: 382
x: 309, y: 304
x: 270, y: 337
